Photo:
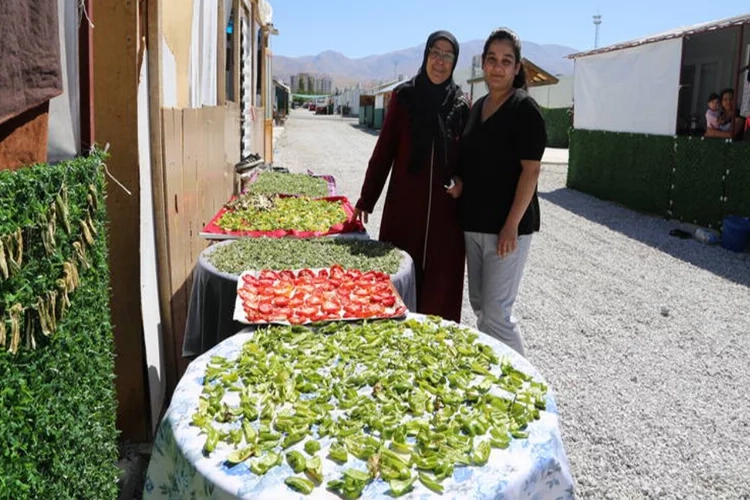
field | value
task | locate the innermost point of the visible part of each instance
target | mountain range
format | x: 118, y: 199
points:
x: 345, y: 71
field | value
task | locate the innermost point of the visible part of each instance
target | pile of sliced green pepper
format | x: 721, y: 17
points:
x: 290, y: 214
x: 411, y: 399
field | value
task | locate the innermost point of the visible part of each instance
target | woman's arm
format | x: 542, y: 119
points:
x: 508, y: 239
x: 532, y: 140
x: 382, y: 158
x: 712, y: 132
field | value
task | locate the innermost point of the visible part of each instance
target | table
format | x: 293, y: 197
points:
x: 536, y: 467
x: 213, y: 295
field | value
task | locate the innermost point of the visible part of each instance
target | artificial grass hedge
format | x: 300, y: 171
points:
x: 632, y: 169
x: 57, y: 400
x: 691, y: 179
x: 698, y: 181
x: 558, y: 126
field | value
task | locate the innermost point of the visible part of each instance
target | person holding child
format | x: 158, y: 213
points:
x: 730, y: 123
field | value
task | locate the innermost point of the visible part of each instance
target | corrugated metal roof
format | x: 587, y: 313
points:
x: 667, y: 35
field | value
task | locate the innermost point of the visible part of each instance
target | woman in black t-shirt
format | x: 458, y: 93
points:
x: 501, y: 152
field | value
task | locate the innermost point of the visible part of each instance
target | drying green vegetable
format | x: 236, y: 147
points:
x: 298, y: 214
x: 288, y: 253
x: 300, y: 484
x: 412, y: 400
x: 280, y: 183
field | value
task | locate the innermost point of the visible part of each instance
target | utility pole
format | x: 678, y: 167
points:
x: 597, y: 22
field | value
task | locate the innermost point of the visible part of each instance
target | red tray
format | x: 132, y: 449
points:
x: 213, y: 231
x: 396, y: 311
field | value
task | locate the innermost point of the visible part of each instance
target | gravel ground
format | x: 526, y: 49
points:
x: 644, y: 338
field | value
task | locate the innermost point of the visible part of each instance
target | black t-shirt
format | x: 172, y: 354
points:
x: 491, y: 154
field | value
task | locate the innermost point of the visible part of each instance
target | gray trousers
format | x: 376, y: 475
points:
x: 493, y: 286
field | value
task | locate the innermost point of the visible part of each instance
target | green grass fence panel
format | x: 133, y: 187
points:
x: 632, y: 169
x: 558, y: 126
x: 698, y: 192
x: 737, y: 183
x: 57, y: 396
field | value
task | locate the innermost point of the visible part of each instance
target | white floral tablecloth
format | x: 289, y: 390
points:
x: 534, y: 468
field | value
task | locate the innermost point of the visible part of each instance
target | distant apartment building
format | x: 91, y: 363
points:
x: 305, y: 83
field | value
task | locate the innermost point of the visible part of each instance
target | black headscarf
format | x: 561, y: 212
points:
x: 431, y: 108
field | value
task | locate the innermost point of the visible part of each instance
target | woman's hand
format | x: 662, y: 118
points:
x: 507, y: 240
x: 456, y: 189
x: 360, y: 215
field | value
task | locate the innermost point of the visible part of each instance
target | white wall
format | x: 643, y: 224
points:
x: 64, y: 139
x: 559, y: 95
x: 630, y: 90
x: 150, y: 313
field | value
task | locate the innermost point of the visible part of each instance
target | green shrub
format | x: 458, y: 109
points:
x: 57, y: 399
x: 558, y: 126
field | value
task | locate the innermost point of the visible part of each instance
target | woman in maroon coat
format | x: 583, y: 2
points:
x: 418, y: 146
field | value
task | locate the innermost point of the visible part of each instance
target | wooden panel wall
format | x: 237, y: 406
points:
x: 116, y: 116
x: 201, y: 147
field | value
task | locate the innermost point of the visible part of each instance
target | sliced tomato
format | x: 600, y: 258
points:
x: 314, y: 300
x: 331, y: 307
x: 359, y: 300
x: 352, y: 310
x: 353, y: 274
x: 307, y: 311
x: 283, y: 289
x: 281, y: 301
x: 388, y: 300
x: 323, y: 273
x: 337, y: 271
x: 305, y: 273
x: 297, y: 320
x: 296, y: 302
x: 265, y: 308
x: 375, y: 309
x: 399, y: 311
x: 318, y: 316
x: 249, y: 279
x: 285, y: 274
x: 362, y: 292
x: 268, y: 274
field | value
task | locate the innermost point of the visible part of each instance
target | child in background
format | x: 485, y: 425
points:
x: 713, y: 113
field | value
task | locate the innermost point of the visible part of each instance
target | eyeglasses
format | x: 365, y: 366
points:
x: 446, y: 57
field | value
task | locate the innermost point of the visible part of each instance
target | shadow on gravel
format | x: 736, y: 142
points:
x: 367, y: 130
x: 653, y: 231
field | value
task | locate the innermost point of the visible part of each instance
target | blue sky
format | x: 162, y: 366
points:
x: 360, y: 28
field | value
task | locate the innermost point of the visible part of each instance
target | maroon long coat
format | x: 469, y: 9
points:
x: 419, y: 216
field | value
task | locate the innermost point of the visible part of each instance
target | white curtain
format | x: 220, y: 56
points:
x: 65, y: 110
x: 203, y: 47
x: 631, y: 90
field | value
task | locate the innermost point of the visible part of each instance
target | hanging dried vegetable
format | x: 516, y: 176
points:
x: 4, y: 271
x: 2, y: 331
x: 80, y: 254
x: 92, y: 197
x: 87, y: 237
x: 64, y: 303
x: 30, y: 339
x: 16, y: 316
x: 61, y: 203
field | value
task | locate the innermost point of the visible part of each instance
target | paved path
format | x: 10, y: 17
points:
x: 644, y: 338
